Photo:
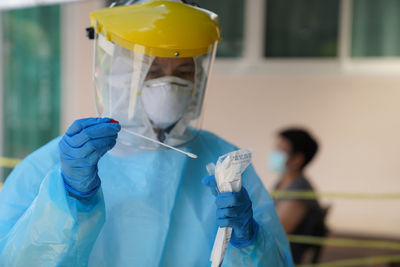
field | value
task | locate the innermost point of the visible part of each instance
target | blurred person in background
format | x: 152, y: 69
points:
x: 294, y: 150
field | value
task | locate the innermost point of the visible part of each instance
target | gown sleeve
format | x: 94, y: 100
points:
x: 40, y: 223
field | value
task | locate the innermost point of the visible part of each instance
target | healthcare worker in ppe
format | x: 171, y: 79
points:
x: 104, y: 194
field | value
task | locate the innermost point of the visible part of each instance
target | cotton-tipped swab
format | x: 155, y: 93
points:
x: 191, y: 155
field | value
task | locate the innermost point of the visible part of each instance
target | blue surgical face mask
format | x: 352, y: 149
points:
x: 277, y: 161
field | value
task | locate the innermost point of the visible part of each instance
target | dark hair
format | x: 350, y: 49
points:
x: 301, y: 142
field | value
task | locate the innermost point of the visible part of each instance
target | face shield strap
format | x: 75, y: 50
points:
x: 107, y: 46
x: 141, y: 64
x: 199, y: 86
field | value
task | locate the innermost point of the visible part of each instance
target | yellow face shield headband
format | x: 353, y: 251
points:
x: 159, y: 28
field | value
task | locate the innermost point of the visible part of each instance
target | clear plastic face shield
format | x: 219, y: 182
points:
x: 157, y: 97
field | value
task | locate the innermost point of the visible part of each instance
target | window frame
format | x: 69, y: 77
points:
x: 253, y: 60
x: 54, y: 96
x: 13, y: 4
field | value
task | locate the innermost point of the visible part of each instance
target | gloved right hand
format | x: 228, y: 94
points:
x: 234, y: 209
x: 84, y: 143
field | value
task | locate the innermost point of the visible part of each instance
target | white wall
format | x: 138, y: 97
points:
x: 355, y: 117
x: 77, y: 92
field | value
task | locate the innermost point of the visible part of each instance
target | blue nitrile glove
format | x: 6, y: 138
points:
x: 234, y: 210
x: 81, y: 147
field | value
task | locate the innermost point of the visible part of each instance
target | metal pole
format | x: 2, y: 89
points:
x: 254, y: 30
x: 345, y: 30
x: 1, y: 97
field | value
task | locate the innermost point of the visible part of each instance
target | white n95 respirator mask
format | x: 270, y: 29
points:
x: 166, y: 99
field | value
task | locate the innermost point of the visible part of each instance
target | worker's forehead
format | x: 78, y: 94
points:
x: 163, y: 61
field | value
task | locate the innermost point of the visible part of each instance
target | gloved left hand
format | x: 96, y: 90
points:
x: 234, y: 209
x: 81, y: 147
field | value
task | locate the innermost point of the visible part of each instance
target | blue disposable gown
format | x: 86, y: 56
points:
x: 152, y: 210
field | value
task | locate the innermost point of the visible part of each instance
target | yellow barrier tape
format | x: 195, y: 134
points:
x: 9, y: 162
x: 356, y: 262
x: 344, y: 242
x: 12, y: 162
x: 317, y: 195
